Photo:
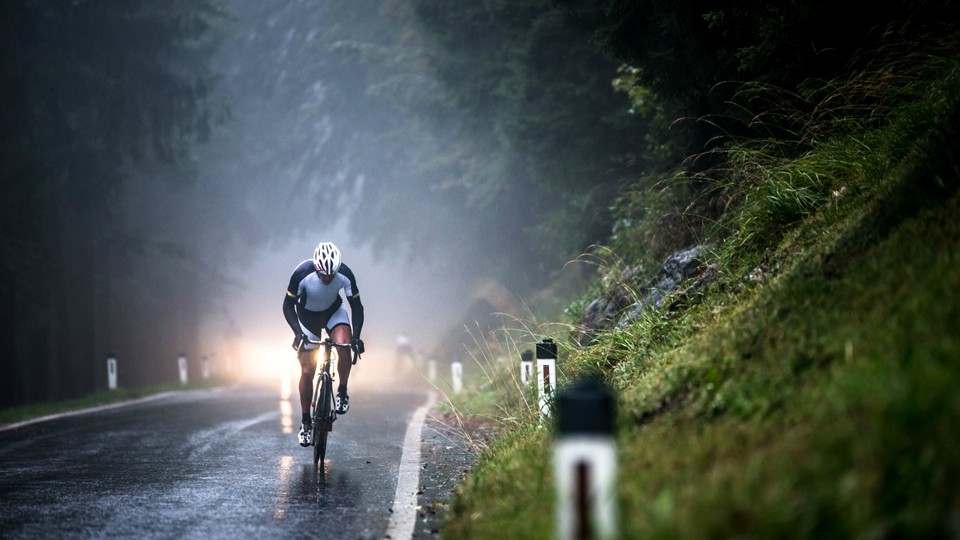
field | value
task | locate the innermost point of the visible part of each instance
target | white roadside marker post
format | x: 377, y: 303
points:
x: 585, y: 463
x: 205, y: 368
x: 526, y: 367
x: 182, y: 364
x: 456, y: 370
x: 546, y: 375
x: 112, y: 372
x: 432, y: 369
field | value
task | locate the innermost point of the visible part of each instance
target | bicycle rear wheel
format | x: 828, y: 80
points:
x: 321, y: 419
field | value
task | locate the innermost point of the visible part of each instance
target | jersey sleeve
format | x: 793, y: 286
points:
x: 300, y: 272
x: 353, y: 297
x: 348, y: 273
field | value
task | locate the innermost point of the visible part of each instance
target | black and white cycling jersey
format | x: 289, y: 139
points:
x: 311, y: 305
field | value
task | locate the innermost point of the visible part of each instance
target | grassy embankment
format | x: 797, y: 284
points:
x: 813, y: 390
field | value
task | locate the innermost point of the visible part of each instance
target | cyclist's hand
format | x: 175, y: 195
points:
x: 358, y: 346
x: 298, y: 342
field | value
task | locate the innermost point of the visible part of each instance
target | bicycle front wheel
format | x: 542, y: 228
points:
x: 321, y: 419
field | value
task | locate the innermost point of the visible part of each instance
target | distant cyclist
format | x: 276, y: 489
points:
x: 405, y: 356
x: 312, y: 305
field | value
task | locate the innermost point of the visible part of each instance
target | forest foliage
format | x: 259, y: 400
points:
x: 553, y: 124
x: 91, y: 92
x: 799, y: 384
x: 547, y: 118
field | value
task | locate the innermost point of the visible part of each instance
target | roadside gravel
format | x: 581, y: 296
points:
x: 448, y: 448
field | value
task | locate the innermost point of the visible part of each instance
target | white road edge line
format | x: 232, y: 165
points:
x: 404, y: 514
x: 4, y: 427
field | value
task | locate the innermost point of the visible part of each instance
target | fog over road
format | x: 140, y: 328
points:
x: 213, y: 463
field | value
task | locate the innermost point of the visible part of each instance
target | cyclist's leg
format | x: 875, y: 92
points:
x: 341, y: 333
x: 338, y: 326
x: 308, y: 368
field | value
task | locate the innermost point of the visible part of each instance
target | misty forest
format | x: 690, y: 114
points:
x: 487, y: 139
x: 154, y: 149
x: 740, y: 214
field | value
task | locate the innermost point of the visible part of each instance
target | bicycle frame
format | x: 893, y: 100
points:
x: 322, y: 410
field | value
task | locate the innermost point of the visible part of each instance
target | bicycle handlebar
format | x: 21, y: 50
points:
x: 327, y: 341
x: 331, y: 343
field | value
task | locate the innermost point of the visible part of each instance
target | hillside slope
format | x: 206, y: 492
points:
x: 811, y: 390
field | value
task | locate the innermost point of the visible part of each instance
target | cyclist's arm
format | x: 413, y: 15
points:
x: 302, y: 270
x: 353, y: 297
x: 356, y: 308
x: 290, y: 313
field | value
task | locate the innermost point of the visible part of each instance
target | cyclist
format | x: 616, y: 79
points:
x: 313, y: 304
x: 405, y: 356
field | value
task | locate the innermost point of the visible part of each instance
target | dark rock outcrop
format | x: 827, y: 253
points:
x: 622, y: 303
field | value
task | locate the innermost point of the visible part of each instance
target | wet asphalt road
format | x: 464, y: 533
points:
x: 204, y: 464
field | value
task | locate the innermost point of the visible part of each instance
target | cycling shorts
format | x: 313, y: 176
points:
x: 313, y: 323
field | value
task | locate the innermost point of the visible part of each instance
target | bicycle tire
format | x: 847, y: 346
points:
x: 321, y: 419
x: 315, y: 417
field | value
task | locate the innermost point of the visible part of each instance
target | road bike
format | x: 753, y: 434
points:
x: 322, y: 410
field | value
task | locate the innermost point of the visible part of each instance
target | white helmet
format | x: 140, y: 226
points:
x: 326, y: 258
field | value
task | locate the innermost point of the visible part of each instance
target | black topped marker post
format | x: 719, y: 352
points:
x: 526, y: 367
x: 546, y: 375
x: 182, y: 365
x: 585, y: 463
x: 112, y: 372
